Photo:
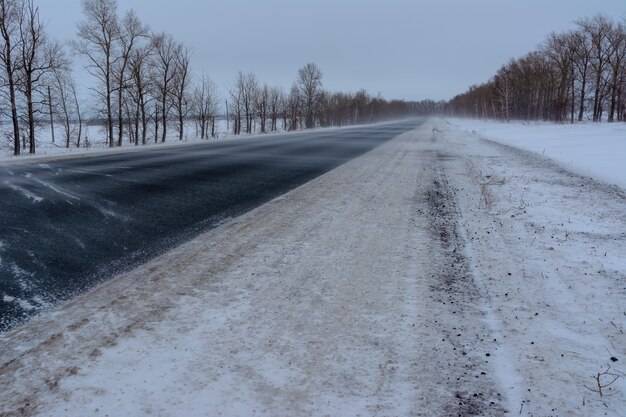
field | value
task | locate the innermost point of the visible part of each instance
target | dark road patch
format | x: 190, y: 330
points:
x: 71, y: 223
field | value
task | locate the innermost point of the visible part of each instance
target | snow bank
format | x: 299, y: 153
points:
x: 597, y: 150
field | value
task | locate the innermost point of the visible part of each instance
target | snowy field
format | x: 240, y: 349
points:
x: 597, y: 150
x: 434, y: 276
x: 94, y: 140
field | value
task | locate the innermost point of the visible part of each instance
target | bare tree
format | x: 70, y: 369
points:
x: 79, y: 115
x: 156, y: 117
x: 205, y: 102
x: 582, y: 62
x: 621, y: 93
x: 164, y: 72
x: 9, y: 28
x: 617, y: 42
x: 66, y: 105
x: 360, y: 107
x: 310, y: 83
x: 283, y: 107
x: 235, y: 111
x: 275, y: 98
x: 131, y: 119
x: 503, y: 86
x: 180, y: 86
x: 583, y: 71
x: 131, y: 32
x: 139, y: 65
x: 293, y: 107
x: 237, y: 100
x: 98, y: 34
x: 246, y: 88
x: 560, y: 53
x: 262, y: 103
x: 342, y: 112
x: 324, y: 109
x: 598, y: 29
x: 37, y: 57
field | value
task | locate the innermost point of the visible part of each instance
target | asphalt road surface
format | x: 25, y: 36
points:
x: 68, y: 224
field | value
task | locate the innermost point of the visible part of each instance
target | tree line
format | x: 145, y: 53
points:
x: 307, y: 105
x: 143, y: 86
x: 573, y: 76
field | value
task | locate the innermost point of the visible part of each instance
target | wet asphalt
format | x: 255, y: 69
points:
x: 70, y: 223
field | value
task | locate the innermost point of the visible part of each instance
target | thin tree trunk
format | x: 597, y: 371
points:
x: 573, y: 103
x: 108, y: 101
x: 30, y: 116
x: 80, y: 118
x: 137, y: 114
x: 144, y: 121
x: 227, y: 119
x: 581, y: 108
x: 12, y: 99
x: 614, y: 93
x: 68, y: 130
x: 181, y: 126
x: 51, y: 114
x: 120, y: 115
x: 164, y: 118
x: 613, y: 103
x: 10, y: 69
x: 156, y: 123
x: 596, y: 98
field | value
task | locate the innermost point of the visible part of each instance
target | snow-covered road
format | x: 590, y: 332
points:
x: 431, y: 276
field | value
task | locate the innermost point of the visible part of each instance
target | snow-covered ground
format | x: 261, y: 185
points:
x: 95, y: 142
x: 442, y: 275
x: 597, y: 150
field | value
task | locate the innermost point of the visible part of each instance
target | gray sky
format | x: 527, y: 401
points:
x: 403, y: 49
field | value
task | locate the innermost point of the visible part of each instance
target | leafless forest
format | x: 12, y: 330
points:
x: 573, y: 76
x: 143, y: 86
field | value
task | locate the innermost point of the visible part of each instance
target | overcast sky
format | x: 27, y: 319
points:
x: 407, y: 49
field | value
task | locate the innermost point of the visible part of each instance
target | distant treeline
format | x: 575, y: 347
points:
x: 143, y: 85
x: 573, y: 76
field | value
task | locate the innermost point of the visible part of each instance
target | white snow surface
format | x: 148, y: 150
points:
x: 597, y: 150
x: 98, y: 144
x: 443, y: 275
x: 95, y: 142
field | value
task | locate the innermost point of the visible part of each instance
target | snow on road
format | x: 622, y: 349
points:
x: 432, y: 276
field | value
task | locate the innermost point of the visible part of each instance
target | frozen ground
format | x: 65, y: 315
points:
x: 432, y: 276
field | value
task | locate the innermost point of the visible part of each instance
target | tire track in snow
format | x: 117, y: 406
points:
x: 464, y: 382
